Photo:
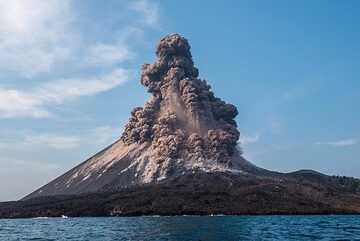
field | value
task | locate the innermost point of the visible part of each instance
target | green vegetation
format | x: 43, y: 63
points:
x: 349, y: 182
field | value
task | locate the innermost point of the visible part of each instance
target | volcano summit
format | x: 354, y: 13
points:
x: 178, y: 155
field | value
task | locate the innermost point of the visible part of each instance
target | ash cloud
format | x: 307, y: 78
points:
x: 184, y: 119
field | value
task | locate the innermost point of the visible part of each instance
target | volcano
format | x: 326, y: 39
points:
x: 184, y: 127
x: 179, y: 154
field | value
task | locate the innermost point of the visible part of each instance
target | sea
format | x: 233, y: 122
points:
x: 331, y: 227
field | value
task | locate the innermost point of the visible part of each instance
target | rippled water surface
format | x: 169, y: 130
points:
x: 184, y: 228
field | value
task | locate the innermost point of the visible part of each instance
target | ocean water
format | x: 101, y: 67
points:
x: 184, y: 228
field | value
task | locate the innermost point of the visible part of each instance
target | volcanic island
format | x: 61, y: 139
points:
x: 180, y: 155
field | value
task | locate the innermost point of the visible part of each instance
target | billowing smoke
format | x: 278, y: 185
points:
x: 184, y: 119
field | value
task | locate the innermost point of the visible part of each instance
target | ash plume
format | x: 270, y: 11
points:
x: 184, y: 119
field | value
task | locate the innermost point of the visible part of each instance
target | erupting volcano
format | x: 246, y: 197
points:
x: 183, y: 127
x: 178, y: 155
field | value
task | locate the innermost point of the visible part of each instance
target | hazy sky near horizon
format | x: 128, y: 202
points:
x: 69, y: 77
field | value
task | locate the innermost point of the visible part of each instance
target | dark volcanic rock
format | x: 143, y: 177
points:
x: 200, y: 193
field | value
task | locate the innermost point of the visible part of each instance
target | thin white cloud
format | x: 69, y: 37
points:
x: 149, y: 9
x: 244, y: 139
x: 103, y: 135
x: 25, y: 140
x: 17, y: 103
x: 13, y: 163
x: 42, y: 141
x: 339, y: 143
x: 53, y: 141
x: 105, y: 54
x: 269, y: 149
x: 34, y: 35
x: 35, y: 102
x: 274, y: 126
x: 301, y: 89
x: 69, y: 89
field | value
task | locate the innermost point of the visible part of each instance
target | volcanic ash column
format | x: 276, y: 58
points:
x: 183, y: 124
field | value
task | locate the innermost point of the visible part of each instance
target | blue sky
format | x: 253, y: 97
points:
x: 69, y: 76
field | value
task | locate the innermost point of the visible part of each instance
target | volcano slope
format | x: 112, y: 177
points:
x: 178, y: 155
